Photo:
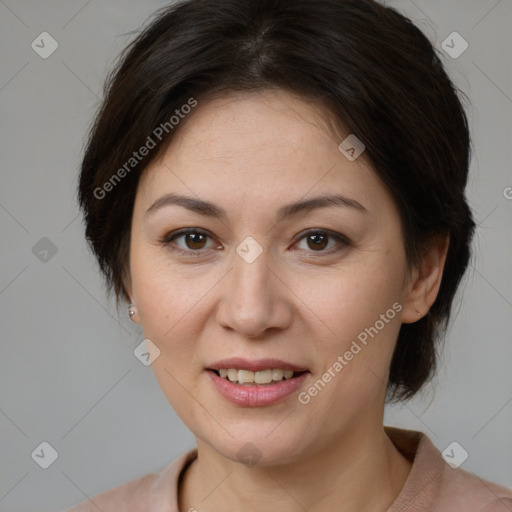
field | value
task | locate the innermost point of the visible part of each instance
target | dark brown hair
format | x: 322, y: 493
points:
x: 370, y: 67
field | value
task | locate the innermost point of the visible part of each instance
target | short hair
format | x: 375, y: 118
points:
x: 370, y: 68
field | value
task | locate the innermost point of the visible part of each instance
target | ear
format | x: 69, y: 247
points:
x: 425, y: 280
x: 127, y: 285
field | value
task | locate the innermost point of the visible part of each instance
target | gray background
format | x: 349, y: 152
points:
x: 68, y: 374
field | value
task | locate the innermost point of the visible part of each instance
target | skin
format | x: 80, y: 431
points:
x: 251, y: 154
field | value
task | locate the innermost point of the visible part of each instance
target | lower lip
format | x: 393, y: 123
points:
x: 257, y: 395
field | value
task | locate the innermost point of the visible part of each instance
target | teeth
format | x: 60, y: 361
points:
x: 250, y: 377
x: 245, y: 376
x: 264, y: 377
x: 277, y: 374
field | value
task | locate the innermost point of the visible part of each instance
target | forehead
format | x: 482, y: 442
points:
x: 272, y: 117
x: 262, y: 146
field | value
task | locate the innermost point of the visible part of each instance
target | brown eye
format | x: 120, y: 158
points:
x: 317, y: 241
x: 324, y: 242
x: 195, y: 240
x: 188, y: 241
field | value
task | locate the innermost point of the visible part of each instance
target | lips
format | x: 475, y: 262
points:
x: 256, y: 395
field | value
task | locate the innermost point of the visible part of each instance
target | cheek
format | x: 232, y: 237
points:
x: 359, y: 308
x: 160, y: 295
x: 352, y: 298
x: 169, y: 307
x: 171, y: 303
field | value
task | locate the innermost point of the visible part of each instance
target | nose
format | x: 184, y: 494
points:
x: 254, y: 299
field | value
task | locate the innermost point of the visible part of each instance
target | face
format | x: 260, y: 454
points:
x: 320, y: 286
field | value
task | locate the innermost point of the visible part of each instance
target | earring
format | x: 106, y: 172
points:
x: 418, y: 313
x: 131, y: 311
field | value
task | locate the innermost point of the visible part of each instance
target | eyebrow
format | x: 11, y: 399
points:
x: 212, y: 210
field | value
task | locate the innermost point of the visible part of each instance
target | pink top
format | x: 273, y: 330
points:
x: 432, y: 485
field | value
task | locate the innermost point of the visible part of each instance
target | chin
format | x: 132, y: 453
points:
x: 255, y: 447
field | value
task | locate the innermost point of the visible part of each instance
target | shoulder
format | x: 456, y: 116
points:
x: 499, y: 505
x: 434, y: 486
x: 153, y: 491
x: 462, y: 490
x: 132, y: 496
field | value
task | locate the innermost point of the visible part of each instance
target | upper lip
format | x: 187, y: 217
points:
x: 255, y: 365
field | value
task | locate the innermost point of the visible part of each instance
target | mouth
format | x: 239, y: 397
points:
x: 256, y: 383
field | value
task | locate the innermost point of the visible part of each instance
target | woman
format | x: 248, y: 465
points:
x: 276, y: 188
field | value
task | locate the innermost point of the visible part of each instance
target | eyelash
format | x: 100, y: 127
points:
x: 168, y: 239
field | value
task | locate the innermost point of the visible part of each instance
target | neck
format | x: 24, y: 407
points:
x: 362, y: 471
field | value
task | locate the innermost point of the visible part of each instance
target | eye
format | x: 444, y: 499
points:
x: 192, y: 241
x: 324, y: 241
